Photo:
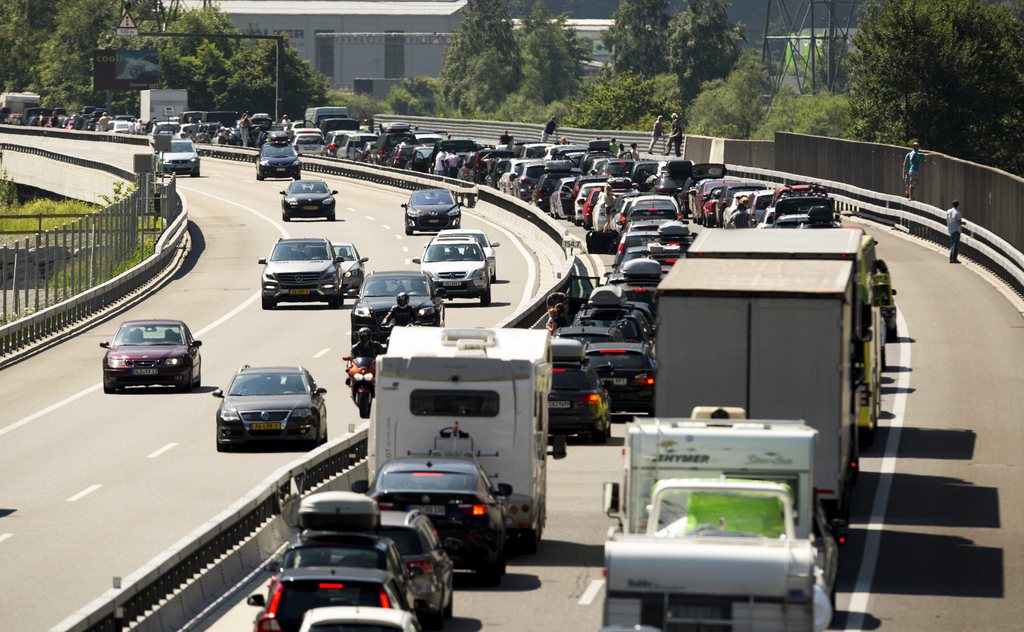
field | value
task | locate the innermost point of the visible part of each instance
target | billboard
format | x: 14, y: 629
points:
x: 123, y: 69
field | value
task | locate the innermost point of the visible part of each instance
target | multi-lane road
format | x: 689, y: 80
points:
x: 96, y: 485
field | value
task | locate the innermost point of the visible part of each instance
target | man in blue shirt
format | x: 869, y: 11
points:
x: 912, y: 169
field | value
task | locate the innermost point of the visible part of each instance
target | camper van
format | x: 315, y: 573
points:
x: 478, y: 394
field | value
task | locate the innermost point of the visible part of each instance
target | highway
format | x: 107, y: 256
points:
x: 935, y: 511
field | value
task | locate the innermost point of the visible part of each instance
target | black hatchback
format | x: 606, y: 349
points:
x: 578, y: 403
x: 431, y: 210
x: 628, y: 373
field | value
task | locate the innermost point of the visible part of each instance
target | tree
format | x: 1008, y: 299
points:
x: 816, y: 114
x: 620, y: 101
x: 24, y: 27
x: 703, y: 45
x: 637, y: 38
x: 65, y: 60
x: 482, y: 65
x: 415, y: 96
x: 947, y: 72
x: 732, y: 107
x: 551, y: 54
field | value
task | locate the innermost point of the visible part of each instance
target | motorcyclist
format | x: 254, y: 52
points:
x: 366, y: 346
x: 401, y: 314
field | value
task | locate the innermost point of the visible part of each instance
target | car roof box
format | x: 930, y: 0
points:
x: 566, y: 350
x: 641, y: 269
x: 339, y: 511
x: 607, y: 296
x: 559, y: 166
x: 670, y: 230
x: 599, y: 145
x: 396, y: 127
x: 820, y: 215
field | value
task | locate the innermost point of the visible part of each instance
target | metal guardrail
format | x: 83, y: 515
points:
x: 68, y: 134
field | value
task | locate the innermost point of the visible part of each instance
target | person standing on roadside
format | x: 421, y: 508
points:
x: 440, y: 166
x: 740, y: 218
x: 675, y: 138
x: 505, y: 139
x: 656, y: 133
x: 613, y: 147
x: 101, y: 123
x: 244, y: 125
x: 912, y: 168
x: 549, y: 129
x: 632, y: 152
x: 954, y: 224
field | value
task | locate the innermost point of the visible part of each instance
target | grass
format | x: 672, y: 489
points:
x: 30, y: 225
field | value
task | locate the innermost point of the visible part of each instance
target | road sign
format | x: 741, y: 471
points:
x: 168, y: 110
x: 127, y: 25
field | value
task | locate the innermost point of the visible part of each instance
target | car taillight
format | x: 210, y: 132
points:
x: 592, y: 398
x: 424, y: 565
x: 524, y: 181
x: 331, y: 146
x: 644, y: 379
x: 473, y: 510
x: 268, y: 622
x: 672, y: 261
x: 385, y: 506
x: 663, y: 190
x: 384, y: 601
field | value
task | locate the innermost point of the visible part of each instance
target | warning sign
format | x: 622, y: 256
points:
x: 127, y: 25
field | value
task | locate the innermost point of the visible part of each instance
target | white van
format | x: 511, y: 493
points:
x: 474, y: 393
x: 315, y: 115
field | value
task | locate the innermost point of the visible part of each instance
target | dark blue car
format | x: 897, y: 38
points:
x: 278, y: 161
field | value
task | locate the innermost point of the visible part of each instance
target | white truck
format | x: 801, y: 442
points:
x: 719, y: 529
x: 162, y: 105
x: 472, y: 393
x: 774, y: 339
x: 18, y: 102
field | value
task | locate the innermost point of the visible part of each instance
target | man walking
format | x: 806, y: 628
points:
x: 954, y: 223
x: 549, y: 129
x: 244, y: 126
x: 912, y: 169
x: 656, y: 133
x: 675, y: 138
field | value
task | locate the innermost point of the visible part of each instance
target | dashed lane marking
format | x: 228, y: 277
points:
x: 85, y: 492
x: 590, y: 593
x: 321, y: 353
x: 157, y: 453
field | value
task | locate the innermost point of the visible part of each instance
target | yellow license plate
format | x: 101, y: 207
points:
x: 310, y: 208
x: 267, y: 426
x: 299, y: 292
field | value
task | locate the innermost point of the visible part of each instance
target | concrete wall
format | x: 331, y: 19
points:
x: 80, y: 183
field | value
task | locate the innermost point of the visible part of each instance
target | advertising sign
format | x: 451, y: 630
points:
x: 123, y: 69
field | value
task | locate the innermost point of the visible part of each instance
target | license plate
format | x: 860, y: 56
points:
x: 431, y: 510
x: 616, y: 381
x: 452, y: 283
x: 559, y: 403
x: 299, y: 292
x: 281, y: 169
x: 143, y: 371
x: 309, y: 208
x: 274, y: 425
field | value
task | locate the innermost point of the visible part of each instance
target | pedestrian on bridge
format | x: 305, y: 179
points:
x: 912, y: 168
x: 954, y: 224
x: 656, y: 133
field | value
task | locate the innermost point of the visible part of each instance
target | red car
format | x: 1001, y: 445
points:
x: 152, y: 352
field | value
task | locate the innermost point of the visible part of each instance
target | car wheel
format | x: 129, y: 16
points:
x: 335, y: 301
x: 268, y: 303
x: 866, y: 436
x: 432, y: 620
x: 285, y: 217
x: 450, y: 606
x: 109, y: 390
x: 259, y: 177
x: 196, y: 383
x: 323, y: 439
x: 223, y: 447
x: 600, y: 435
x: 490, y: 574
x: 528, y: 541
x: 195, y: 175
x: 408, y: 231
x: 184, y: 388
x: 485, y: 300
x: 331, y: 217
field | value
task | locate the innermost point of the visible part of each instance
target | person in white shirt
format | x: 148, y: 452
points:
x: 603, y: 209
x: 954, y: 224
x: 440, y: 168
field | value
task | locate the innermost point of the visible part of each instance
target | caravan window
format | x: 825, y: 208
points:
x: 451, y: 403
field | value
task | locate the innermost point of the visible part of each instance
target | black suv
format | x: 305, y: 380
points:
x: 548, y: 183
x: 423, y: 554
x: 465, y: 507
x: 578, y: 403
x: 377, y: 297
x: 628, y: 373
x: 302, y: 270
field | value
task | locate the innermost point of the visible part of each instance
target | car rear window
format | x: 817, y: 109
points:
x: 430, y: 403
x: 338, y: 555
x: 406, y: 540
x: 427, y: 481
x: 353, y: 627
x: 300, y: 596
x: 646, y: 212
x: 534, y: 171
x: 570, y: 379
x: 618, y: 358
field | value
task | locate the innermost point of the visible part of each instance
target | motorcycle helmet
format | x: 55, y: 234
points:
x: 403, y: 299
x: 364, y: 335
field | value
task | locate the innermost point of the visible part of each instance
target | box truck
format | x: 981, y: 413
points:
x: 162, y: 105
x: 774, y: 339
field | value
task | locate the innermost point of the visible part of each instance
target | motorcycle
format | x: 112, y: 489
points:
x: 362, y: 380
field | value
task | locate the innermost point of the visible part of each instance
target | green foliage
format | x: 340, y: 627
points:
x: 948, y: 72
x: 415, y: 96
x: 523, y: 107
x: 817, y: 114
x: 637, y: 37
x: 360, y: 106
x: 732, y: 107
x: 482, y: 65
x: 551, y: 55
x: 122, y: 189
x: 703, y: 45
x: 65, y: 60
x: 43, y: 206
x: 8, y: 192
x: 24, y: 26
x: 622, y: 101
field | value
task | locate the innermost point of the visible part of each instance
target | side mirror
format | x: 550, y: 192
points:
x: 283, y: 192
x: 611, y: 499
x: 558, y: 444
x: 838, y: 527
x: 105, y: 344
x: 262, y: 261
x: 416, y: 260
x: 405, y: 206
x: 256, y: 600
x: 197, y: 343
x: 218, y: 393
x: 495, y: 244
x: 339, y: 259
x: 363, y: 259
x: 334, y: 192
x: 894, y: 292
x: 440, y: 292
x: 360, y: 486
x: 504, y: 489
x: 321, y: 390
x: 346, y: 358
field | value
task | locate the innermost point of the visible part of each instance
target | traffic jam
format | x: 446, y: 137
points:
x: 704, y: 341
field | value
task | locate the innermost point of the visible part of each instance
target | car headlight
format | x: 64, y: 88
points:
x: 328, y: 201
x: 291, y: 200
x: 302, y: 413
x: 117, y: 363
x: 362, y: 312
x: 230, y: 414
x: 348, y: 274
x: 426, y: 311
x: 478, y: 273
x: 411, y: 212
x: 455, y: 211
x: 264, y: 163
x: 196, y: 159
x: 269, y: 276
x: 174, y: 361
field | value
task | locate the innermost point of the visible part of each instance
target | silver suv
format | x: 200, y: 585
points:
x: 458, y: 264
x: 302, y: 270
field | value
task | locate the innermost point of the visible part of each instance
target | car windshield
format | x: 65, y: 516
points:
x: 182, y: 147
x: 308, y: 139
x: 145, y: 335
x: 305, y: 186
x: 343, y: 250
x: 406, y: 539
x: 300, y: 252
x: 453, y: 252
x: 414, y: 286
x: 427, y: 481
x: 301, y: 596
x: 337, y: 555
x: 432, y: 196
x: 534, y: 171
x: 278, y: 151
x: 262, y: 384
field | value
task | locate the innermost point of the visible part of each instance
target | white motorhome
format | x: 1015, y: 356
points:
x: 473, y: 393
x: 717, y: 528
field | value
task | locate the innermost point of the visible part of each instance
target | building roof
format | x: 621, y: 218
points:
x: 763, y: 276
x: 335, y: 7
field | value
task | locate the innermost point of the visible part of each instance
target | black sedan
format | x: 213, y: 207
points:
x: 578, y: 403
x: 308, y: 198
x: 377, y: 297
x: 628, y: 373
x: 152, y: 352
x: 278, y: 161
x: 271, y: 404
x: 431, y: 210
x: 460, y: 500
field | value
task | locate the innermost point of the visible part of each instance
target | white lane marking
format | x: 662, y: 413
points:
x: 399, y: 237
x: 85, y: 492
x: 247, y: 302
x: 369, y: 218
x: 405, y: 248
x: 385, y: 227
x: 4, y: 536
x: 169, y: 446
x: 531, y: 267
x: 351, y: 209
x: 590, y: 593
x: 321, y: 353
x: 869, y: 560
x: 408, y: 262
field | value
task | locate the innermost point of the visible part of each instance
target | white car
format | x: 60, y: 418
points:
x: 459, y: 266
x: 757, y: 204
x: 481, y: 238
x: 358, y: 618
x: 120, y: 127
x: 506, y: 184
x: 308, y: 144
x: 581, y: 199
